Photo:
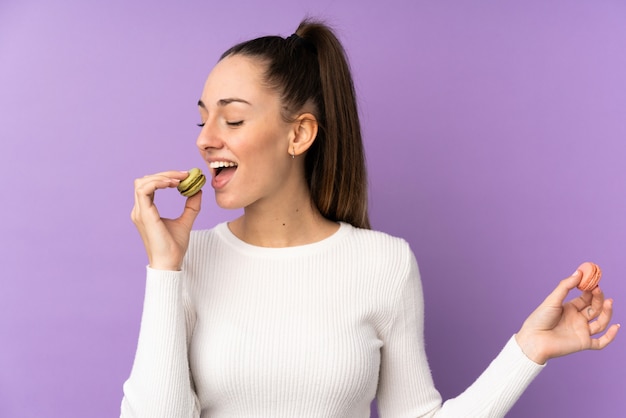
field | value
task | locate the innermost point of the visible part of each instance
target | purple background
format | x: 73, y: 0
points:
x: 495, y: 134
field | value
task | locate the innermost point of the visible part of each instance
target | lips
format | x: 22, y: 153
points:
x: 222, y: 172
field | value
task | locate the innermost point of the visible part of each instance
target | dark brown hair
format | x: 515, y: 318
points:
x: 311, y: 66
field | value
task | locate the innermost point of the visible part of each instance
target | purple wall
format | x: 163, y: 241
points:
x: 495, y: 134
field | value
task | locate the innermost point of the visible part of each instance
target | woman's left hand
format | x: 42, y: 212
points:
x: 557, y: 328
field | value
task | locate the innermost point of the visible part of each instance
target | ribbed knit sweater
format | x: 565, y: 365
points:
x: 317, y: 330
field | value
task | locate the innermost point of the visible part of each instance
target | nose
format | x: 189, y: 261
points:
x: 208, y: 137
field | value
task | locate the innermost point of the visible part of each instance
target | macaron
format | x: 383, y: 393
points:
x: 193, y: 183
x: 591, y: 276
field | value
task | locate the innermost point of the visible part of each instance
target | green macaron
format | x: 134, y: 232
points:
x: 193, y: 183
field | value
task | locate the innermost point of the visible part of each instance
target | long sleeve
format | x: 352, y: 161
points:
x: 406, y: 388
x: 160, y: 383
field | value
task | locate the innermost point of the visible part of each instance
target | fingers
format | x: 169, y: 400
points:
x: 558, y: 295
x: 165, y: 240
x: 606, y: 339
x: 597, y: 302
x: 583, y: 301
x: 146, y: 186
x: 192, y: 208
x: 604, y: 317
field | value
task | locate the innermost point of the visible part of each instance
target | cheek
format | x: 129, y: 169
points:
x: 272, y: 144
x: 268, y: 160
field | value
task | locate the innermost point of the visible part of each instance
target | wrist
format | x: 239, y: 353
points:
x: 530, y: 348
x: 164, y: 266
x: 165, y: 263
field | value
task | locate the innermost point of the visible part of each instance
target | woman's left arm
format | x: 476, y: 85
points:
x: 557, y: 328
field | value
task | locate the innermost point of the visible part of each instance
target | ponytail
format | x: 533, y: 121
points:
x: 311, y: 66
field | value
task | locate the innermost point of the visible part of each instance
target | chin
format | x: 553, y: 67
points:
x: 227, y: 202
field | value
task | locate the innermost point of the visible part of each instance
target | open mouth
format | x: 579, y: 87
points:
x: 220, y: 166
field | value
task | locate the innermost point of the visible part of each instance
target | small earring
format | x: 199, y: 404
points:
x: 293, y: 153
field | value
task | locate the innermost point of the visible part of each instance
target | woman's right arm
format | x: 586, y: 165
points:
x: 160, y: 382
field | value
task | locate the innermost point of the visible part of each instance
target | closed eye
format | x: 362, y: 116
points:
x: 237, y: 123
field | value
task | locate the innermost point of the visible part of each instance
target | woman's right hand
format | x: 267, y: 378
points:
x: 166, y: 240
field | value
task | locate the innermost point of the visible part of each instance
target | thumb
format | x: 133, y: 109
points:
x: 192, y: 208
x: 558, y: 295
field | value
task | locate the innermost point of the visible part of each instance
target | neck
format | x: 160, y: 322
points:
x: 295, y: 221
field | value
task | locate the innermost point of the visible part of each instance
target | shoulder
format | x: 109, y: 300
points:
x: 378, y: 241
x: 217, y: 232
x: 204, y: 246
x: 202, y: 241
x: 199, y: 236
x: 389, y: 266
x: 378, y: 248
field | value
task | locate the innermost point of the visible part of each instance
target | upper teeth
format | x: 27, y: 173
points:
x: 221, y: 164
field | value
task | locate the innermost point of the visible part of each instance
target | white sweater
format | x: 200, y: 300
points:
x: 317, y: 330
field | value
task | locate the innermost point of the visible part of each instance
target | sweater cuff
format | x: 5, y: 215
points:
x: 513, y: 352
x: 154, y: 274
x: 163, y: 288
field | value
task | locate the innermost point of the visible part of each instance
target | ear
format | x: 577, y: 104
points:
x: 303, y: 134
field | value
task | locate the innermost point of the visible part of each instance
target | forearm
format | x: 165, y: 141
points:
x: 159, y: 383
x: 498, y: 387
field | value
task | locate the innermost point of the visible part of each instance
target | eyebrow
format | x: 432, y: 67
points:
x: 224, y: 102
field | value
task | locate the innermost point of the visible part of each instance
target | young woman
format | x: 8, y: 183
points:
x: 297, y: 308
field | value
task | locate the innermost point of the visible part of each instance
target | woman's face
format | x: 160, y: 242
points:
x: 244, y: 139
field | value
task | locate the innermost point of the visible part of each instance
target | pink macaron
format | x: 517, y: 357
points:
x: 591, y: 276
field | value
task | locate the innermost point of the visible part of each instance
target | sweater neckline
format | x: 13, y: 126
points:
x: 227, y: 235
